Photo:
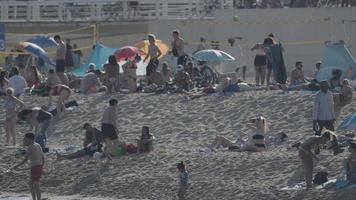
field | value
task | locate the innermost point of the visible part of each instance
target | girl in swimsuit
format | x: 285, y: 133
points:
x: 260, y: 63
x: 12, y: 106
x: 63, y: 92
x: 112, y: 71
x: 256, y: 142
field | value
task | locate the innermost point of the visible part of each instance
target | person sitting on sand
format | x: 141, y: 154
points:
x: 93, y: 142
x: 155, y: 78
x: 145, y: 142
x: 90, y: 83
x: 12, y: 106
x: 35, y: 155
x: 166, y: 73
x: 63, y: 92
x: 92, y: 67
x: 109, y: 128
x: 52, y: 78
x: 297, y: 75
x: 345, y: 96
x: 17, y: 82
x: 255, y: 143
x: 34, y: 77
x: 130, y: 68
x: 306, y: 155
x: 350, y: 164
x: 4, y: 82
x: 39, y: 119
x: 182, y: 79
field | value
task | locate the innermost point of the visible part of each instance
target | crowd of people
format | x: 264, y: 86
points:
x: 20, y: 80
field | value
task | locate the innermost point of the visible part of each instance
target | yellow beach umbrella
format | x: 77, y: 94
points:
x: 143, y: 45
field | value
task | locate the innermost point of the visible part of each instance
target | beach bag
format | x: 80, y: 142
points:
x: 131, y: 148
x: 320, y: 178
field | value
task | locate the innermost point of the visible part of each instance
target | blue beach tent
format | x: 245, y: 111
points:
x: 98, y: 56
x: 337, y: 57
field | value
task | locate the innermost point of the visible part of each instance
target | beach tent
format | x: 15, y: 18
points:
x: 337, y: 57
x: 98, y: 56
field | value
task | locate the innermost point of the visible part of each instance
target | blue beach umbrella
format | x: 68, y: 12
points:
x: 43, y: 41
x: 35, y: 50
x: 212, y: 55
x: 348, y: 124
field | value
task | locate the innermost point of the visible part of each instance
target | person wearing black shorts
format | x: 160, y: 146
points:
x: 60, y: 59
x: 109, y: 127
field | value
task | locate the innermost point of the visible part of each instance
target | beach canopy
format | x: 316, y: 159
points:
x: 348, y: 124
x: 336, y: 57
x: 143, y: 46
x: 212, y: 55
x: 129, y: 52
x: 98, y: 56
x: 35, y: 50
x: 43, y: 41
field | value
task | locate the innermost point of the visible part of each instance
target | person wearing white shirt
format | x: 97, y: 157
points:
x: 323, y: 111
x: 17, y: 82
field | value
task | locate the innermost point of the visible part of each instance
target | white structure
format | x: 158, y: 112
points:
x: 98, y: 10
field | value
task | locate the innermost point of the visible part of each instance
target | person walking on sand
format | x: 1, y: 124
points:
x: 112, y: 70
x: 61, y: 59
x: 178, y: 47
x: 183, y: 180
x: 109, y: 127
x: 306, y: 155
x: 12, y: 106
x: 35, y: 155
x: 323, y: 110
x: 153, y: 53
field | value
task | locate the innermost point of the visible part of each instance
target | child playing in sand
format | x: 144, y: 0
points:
x: 12, y: 106
x: 183, y: 180
x: 35, y: 155
x: 350, y: 164
x: 306, y: 155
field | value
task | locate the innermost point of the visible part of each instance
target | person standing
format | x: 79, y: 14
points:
x: 260, y: 64
x: 323, y: 111
x: 69, y: 54
x: 178, y: 47
x: 60, y: 59
x: 153, y: 53
x: 35, y: 155
x: 183, y: 180
x: 112, y: 70
x: 12, y: 106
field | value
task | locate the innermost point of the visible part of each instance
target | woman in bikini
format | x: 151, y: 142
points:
x: 33, y: 77
x: 260, y: 63
x: 255, y: 143
x: 12, y: 106
x: 63, y: 92
x: 112, y: 70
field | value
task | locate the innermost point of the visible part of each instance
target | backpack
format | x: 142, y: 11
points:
x: 131, y: 148
x: 320, y: 178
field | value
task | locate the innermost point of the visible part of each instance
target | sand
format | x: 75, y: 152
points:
x: 183, y: 128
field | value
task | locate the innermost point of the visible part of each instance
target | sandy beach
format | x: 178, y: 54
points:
x: 183, y: 128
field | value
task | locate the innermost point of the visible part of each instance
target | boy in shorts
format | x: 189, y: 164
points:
x: 35, y: 155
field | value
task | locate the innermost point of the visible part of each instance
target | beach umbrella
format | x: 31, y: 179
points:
x: 43, y: 41
x: 128, y: 52
x: 348, y: 124
x: 212, y: 55
x: 35, y: 50
x: 143, y: 46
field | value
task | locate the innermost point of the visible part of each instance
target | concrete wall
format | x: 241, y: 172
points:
x: 295, y: 28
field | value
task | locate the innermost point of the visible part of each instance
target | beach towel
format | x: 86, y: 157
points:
x: 278, y: 65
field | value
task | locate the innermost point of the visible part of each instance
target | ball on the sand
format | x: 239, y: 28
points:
x: 97, y: 155
x: 236, y: 18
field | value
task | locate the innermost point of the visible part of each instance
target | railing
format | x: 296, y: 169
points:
x: 98, y: 10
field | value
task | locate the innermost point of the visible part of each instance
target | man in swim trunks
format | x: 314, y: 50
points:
x: 35, y: 155
x: 60, y: 59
